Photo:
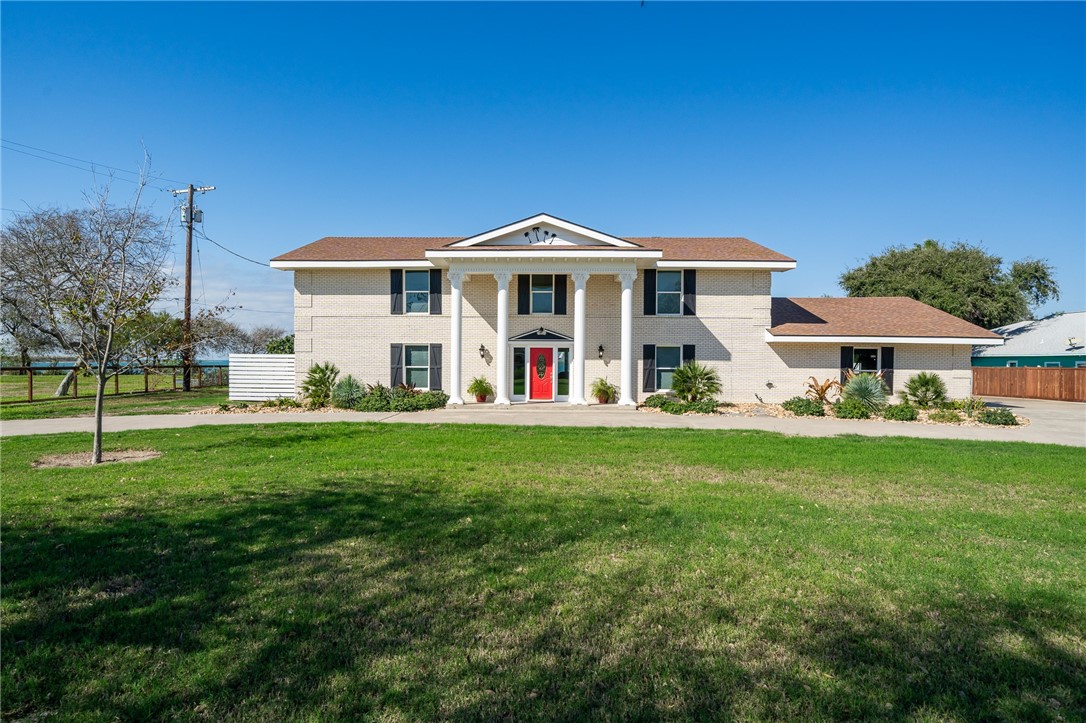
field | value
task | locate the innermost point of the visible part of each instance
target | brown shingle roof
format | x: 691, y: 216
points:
x: 868, y: 316
x: 397, y: 248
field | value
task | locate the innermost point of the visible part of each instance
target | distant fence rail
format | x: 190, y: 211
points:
x: 39, y: 384
x: 1064, y: 384
x: 258, y: 377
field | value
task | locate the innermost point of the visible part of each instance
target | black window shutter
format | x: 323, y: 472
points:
x: 435, y: 366
x: 560, y: 294
x: 649, y: 357
x: 396, y: 374
x: 396, y: 290
x: 435, y: 291
x: 888, y: 367
x: 650, y: 297
x: 688, y: 353
x: 524, y: 293
x: 846, y: 361
x: 690, y: 292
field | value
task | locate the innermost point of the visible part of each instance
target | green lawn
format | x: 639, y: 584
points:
x: 155, y: 403
x: 411, y: 572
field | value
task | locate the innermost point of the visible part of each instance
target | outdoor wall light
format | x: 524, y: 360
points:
x: 601, y: 351
x: 482, y: 351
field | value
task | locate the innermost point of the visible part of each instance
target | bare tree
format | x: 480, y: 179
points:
x: 82, y: 277
x: 25, y: 339
x: 261, y: 336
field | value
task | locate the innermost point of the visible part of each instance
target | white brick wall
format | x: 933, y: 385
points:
x: 343, y: 316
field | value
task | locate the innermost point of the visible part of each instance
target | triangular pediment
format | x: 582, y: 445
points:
x: 543, y: 231
x: 541, y: 334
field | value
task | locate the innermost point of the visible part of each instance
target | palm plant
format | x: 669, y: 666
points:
x: 821, y: 391
x: 693, y: 381
x: 347, y: 393
x: 317, y: 387
x: 925, y: 390
x: 867, y: 389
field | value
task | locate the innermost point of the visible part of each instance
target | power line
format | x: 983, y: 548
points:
x: 73, y: 158
x: 79, y: 168
x: 235, y: 253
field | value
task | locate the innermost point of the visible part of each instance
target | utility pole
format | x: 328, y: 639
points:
x: 188, y: 217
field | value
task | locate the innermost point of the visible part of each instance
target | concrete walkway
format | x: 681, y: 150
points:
x: 1051, y: 422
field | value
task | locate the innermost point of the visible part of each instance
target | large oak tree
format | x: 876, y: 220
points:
x: 961, y: 279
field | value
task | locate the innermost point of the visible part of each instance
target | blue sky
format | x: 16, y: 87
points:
x: 825, y: 131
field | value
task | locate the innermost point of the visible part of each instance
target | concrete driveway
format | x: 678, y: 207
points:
x: 1051, y: 422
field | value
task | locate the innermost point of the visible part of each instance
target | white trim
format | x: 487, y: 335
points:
x: 407, y: 366
x: 299, y: 265
x: 548, y: 219
x: 1012, y: 364
x: 1052, y: 365
x: 769, y: 337
x: 527, y: 346
x: 552, y: 255
x: 771, y: 265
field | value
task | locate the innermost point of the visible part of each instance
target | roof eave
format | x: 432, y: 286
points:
x: 885, y: 339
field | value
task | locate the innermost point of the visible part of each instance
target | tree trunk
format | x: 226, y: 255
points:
x: 99, y: 398
x: 66, y: 382
x: 24, y: 356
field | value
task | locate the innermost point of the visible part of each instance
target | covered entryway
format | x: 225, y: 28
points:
x: 540, y: 366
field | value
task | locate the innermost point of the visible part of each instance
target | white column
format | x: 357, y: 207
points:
x: 576, y: 394
x: 501, y: 354
x: 456, y: 280
x: 626, y: 377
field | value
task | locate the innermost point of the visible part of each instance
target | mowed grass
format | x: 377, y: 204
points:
x: 153, y: 403
x: 411, y: 572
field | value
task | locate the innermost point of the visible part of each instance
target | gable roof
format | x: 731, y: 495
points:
x: 414, y: 248
x: 1042, y: 337
x: 603, y: 239
x: 880, y: 317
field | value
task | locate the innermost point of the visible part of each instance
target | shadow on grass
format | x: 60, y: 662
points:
x: 364, y: 598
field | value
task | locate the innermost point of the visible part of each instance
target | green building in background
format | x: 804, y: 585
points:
x: 1054, y: 341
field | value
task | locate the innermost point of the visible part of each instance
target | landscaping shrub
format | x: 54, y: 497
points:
x: 901, y: 412
x: 804, y: 407
x: 347, y: 393
x: 945, y: 415
x: 693, y: 381
x: 866, y: 389
x: 969, y: 405
x: 925, y: 390
x: 997, y: 416
x: 406, y: 402
x: 851, y: 409
x: 656, y: 401
x: 317, y: 387
x: 672, y: 406
x: 374, y: 403
x: 703, y: 406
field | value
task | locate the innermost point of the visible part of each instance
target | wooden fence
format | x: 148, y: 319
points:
x: 259, y: 377
x: 38, y: 384
x: 1064, y: 384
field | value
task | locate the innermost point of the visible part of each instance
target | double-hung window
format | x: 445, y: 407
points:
x: 542, y: 293
x: 669, y: 293
x: 417, y: 366
x: 865, y: 360
x: 417, y: 292
x: 668, y: 359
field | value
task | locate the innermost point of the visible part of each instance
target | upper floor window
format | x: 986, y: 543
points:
x: 417, y: 292
x: 542, y: 293
x: 669, y: 293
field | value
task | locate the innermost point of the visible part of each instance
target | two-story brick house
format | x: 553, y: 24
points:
x: 543, y: 306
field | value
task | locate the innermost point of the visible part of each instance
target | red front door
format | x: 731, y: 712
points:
x: 541, y: 370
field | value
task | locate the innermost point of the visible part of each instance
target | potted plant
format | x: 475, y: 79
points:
x: 481, y: 388
x: 603, y: 390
